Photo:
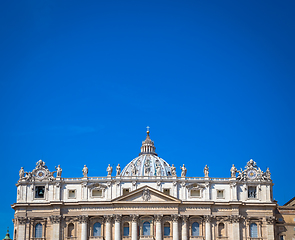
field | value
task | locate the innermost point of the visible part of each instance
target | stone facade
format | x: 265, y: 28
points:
x: 285, y: 225
x: 146, y: 201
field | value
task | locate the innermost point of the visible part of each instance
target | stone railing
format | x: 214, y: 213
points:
x: 146, y: 177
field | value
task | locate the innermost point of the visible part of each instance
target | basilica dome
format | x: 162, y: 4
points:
x: 147, y: 163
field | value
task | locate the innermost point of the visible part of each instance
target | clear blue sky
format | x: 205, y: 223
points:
x: 80, y: 81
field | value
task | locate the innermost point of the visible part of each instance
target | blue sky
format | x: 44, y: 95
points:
x: 81, y: 80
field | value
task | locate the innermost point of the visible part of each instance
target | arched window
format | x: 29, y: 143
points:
x: 71, y: 230
x: 166, y: 229
x: 195, y: 229
x: 126, y: 229
x: 221, y: 230
x: 97, y: 229
x: 38, y: 230
x: 253, y: 230
x: 146, y: 229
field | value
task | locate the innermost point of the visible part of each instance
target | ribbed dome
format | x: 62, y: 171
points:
x: 148, y: 163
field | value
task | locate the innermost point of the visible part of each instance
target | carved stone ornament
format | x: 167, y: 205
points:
x: 117, y: 217
x: 22, y: 220
x: 40, y: 173
x: 146, y: 195
x: 158, y: 218
x: 55, y: 218
x: 235, y: 218
x: 185, y: 218
x: 207, y: 218
x: 83, y: 218
x: 175, y: 217
x: 108, y: 218
x: 253, y: 173
x: 134, y: 217
x: 270, y: 219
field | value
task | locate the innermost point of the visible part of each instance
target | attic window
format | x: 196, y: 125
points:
x: 72, y: 193
x: 220, y: 193
x: 166, y: 191
x: 125, y: 191
x: 96, y: 193
x: 196, y: 193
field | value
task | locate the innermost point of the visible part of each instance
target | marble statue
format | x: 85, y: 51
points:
x: 233, y: 171
x: 173, y: 170
x: 206, y: 171
x: 118, y: 170
x: 158, y: 170
x: 58, y: 171
x: 85, y: 171
x: 183, y: 171
x: 267, y: 174
x: 109, y: 170
x: 21, y: 173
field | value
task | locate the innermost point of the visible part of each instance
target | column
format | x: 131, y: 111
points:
x: 235, y: 221
x: 21, y: 231
x: 55, y: 220
x: 83, y: 220
x: 184, y: 228
x: 108, y: 232
x: 270, y: 227
x: 117, y: 226
x: 134, y: 233
x: 175, y: 227
x: 158, y: 219
x: 207, y: 219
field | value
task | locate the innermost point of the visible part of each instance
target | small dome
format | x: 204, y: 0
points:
x: 148, y: 163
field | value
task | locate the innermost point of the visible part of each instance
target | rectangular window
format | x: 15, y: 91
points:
x: 125, y: 191
x: 166, y: 191
x: 39, y: 192
x: 252, y: 192
x: 196, y: 193
x: 72, y: 193
x: 220, y: 193
x: 96, y: 193
x: 281, y: 237
x: 280, y: 219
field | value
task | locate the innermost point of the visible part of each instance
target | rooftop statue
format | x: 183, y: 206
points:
x: 183, y: 171
x: 109, y: 170
x: 233, y: 171
x: 85, y: 171
x: 118, y: 170
x: 21, y: 173
x: 58, y: 171
x: 206, y: 171
x: 173, y: 170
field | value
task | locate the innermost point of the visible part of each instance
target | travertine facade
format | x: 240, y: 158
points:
x: 144, y: 201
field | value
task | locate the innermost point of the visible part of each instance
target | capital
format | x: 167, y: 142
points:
x: 108, y: 218
x: 55, y: 218
x: 134, y: 217
x: 235, y: 218
x: 175, y: 217
x: 207, y: 218
x: 185, y: 218
x: 270, y: 219
x: 158, y: 218
x: 117, y: 217
x: 22, y: 220
x: 83, y: 218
